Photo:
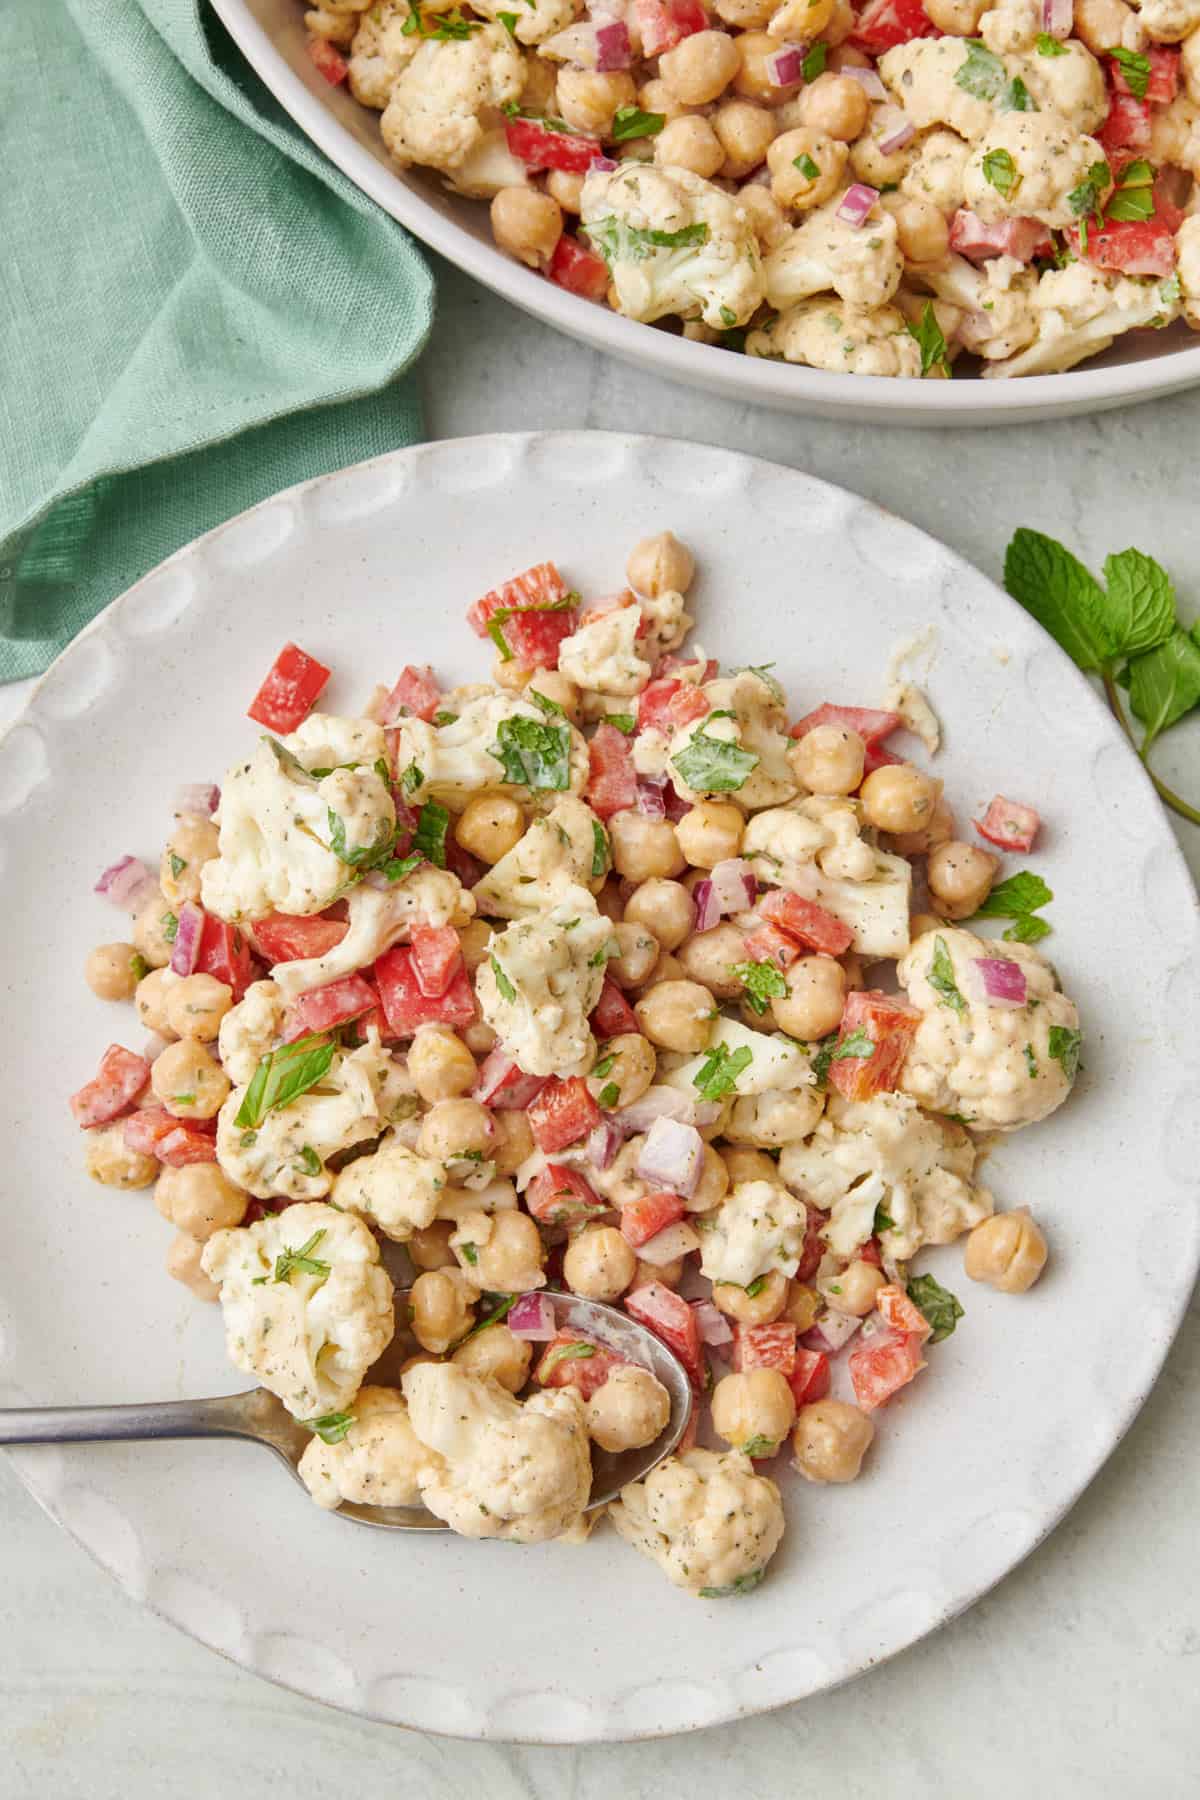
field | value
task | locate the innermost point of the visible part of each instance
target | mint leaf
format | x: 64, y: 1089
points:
x: 981, y: 73
x: 720, y: 1070
x: 1001, y: 171
x: 599, y: 849
x: 859, y: 1043
x: 1165, y: 683
x: 1064, y: 1046
x: 630, y: 122
x: 1141, y: 602
x: 823, y: 1058
x: 711, y: 765
x: 743, y: 1585
x: 814, y: 63
x: 302, y: 1258
x: 608, y: 1096
x: 1136, y: 69
x: 939, y: 1305
x: 534, y: 755
x: 941, y: 978
x: 367, y: 856
x: 623, y: 721
x: 331, y: 1428
x: 282, y: 1076
x: 505, y: 987
x: 762, y: 982
x: 928, y: 333
x: 1049, y: 46
x: 1027, y: 930
x: 759, y: 1446
x: 551, y: 708
x: 1063, y: 596
x: 561, y: 1353
x: 1023, y: 892
x: 429, y: 839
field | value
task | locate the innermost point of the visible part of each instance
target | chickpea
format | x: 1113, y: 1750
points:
x: 847, y: 57
x: 709, y: 957
x: 657, y: 97
x: 200, y: 1199
x: 752, y: 80
x: 799, y: 20
x: 196, y: 1005
x: 677, y: 1015
x: 802, y: 1306
x: 510, y: 675
x: 551, y: 684
x: 489, y: 826
x: 660, y: 565
x: 337, y: 28
x: 665, y: 907
x: 513, y: 1142
x: 183, y: 1264
x: 440, y: 1064
x: 474, y: 939
x: 853, y: 1290
x: 806, y: 170
x: 764, y: 1305
x: 748, y: 1165
x: 830, y: 1440
x: 610, y: 903
x: 815, y: 998
x: 442, y: 1303
x: 842, y: 22
x: 711, y: 832
x: 429, y: 1247
x: 1007, y: 1251
x: 112, y: 971
x: 920, y: 923
x: 510, y: 1262
x: 666, y: 1274
x: 564, y: 187
x: 599, y: 1263
x: 589, y: 101
x: 109, y: 1160
x: 960, y: 18
x: 829, y: 760
x: 713, y: 1184
x: 753, y: 1410
x: 939, y: 830
x: 496, y: 1355
x: 745, y: 132
x: 413, y: 1362
x: 629, y: 1066
x: 192, y: 843
x: 453, y: 1128
x: 765, y: 215
x: 479, y: 1038
x: 150, y: 1000
x: 747, y: 15
x: 149, y: 932
x: 1189, y: 64
x: 639, y: 952
x: 700, y: 67
x: 643, y: 847
x: 667, y: 968
x: 835, y: 105
x: 876, y: 167
x: 960, y: 878
x: 527, y: 224
x: 689, y: 143
x: 190, y: 1083
x: 629, y: 1410
x: 921, y: 229
x: 898, y: 797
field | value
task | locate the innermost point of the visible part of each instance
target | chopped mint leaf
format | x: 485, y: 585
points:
x: 429, y: 839
x: 935, y: 354
x: 743, y: 1585
x: 1001, y: 171
x: 939, y: 1305
x: 631, y: 122
x: 288, y: 1261
x: 762, y: 982
x: 575, y: 1352
x: 600, y: 851
x: 1064, y: 1045
x: 1136, y: 69
x: 506, y: 989
x: 720, y: 1070
x: 712, y: 765
x: 941, y: 978
x: 534, y: 755
x: 551, y: 708
x: 283, y: 1075
x: 859, y: 1043
x: 331, y: 1428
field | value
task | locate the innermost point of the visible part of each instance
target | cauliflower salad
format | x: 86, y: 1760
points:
x: 875, y: 189
x: 611, y: 976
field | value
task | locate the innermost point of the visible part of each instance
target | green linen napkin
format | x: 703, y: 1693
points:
x: 184, y: 282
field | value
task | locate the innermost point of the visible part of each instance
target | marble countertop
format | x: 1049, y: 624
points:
x: 1083, y: 1664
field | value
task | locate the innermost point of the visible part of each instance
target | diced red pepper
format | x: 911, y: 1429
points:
x: 665, y: 23
x: 900, y: 1312
x: 1009, y: 824
x: 669, y: 705
x: 406, y: 1007
x: 613, y: 1016
x: 375, y: 1020
x: 644, y: 1218
x: 612, y: 778
x: 117, y: 1083
x: 436, y: 956
x: 607, y: 603
x: 460, y: 862
x: 878, y: 757
x: 225, y: 953
x: 978, y: 239
x: 325, y: 1008
x: 290, y: 690
x: 670, y: 664
x: 814, y: 1246
x: 1128, y: 246
x: 890, y: 1026
x: 1163, y: 83
x: 882, y: 24
x: 535, y: 638
x: 540, y: 147
x: 870, y: 1252
x: 328, y: 61
x: 765, y: 1347
x: 280, y: 938
x: 1127, y: 126
x: 766, y: 943
x: 879, y: 1368
x: 814, y: 927
x: 809, y: 1380
x: 578, y: 269
x: 416, y: 695
x: 559, y: 1195
x: 670, y: 1318
x: 186, y: 1144
x: 587, y: 1372
x: 503, y: 1086
x: 563, y: 1112
x: 871, y: 723
x: 146, y: 1128
x: 539, y: 589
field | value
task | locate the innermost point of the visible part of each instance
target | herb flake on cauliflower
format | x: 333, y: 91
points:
x: 710, y: 1523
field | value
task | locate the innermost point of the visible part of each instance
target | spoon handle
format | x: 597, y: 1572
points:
x: 223, y: 1416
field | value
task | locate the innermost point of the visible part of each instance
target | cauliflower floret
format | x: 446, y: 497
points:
x: 537, y: 20
x: 710, y: 1523
x: 996, y: 1067
x: 936, y: 170
x: 1175, y: 133
x: 483, y: 745
x: 771, y: 1062
x: 861, y: 264
x: 1041, y: 162
x: 758, y: 1227
x: 541, y: 980
x: 778, y: 1117
x: 673, y: 243
x: 1187, y: 247
x: 393, y: 1188
x: 308, y: 1327
x: 437, y: 113
x: 603, y: 655
x: 502, y: 1469
x: 815, y: 850
x: 922, y: 75
x: 476, y: 1228
x: 1011, y: 25
x: 846, y: 340
x: 997, y: 301
x: 381, y: 49
x: 276, y: 1157
x: 551, y: 865
x: 250, y: 1029
x: 379, y: 918
x: 886, y: 1152
x: 376, y: 1463
x: 279, y: 823
x: 1070, y: 83
x: 1168, y: 21
x: 1081, y: 311
x: 758, y: 723
x: 667, y: 622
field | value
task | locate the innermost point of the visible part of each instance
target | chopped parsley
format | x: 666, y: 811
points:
x: 599, y: 849
x: 604, y: 953
x: 533, y: 755
x: 1001, y: 171
x: 604, y: 1067
x: 1084, y: 200
x: 814, y: 63
x: 429, y: 839
x: 561, y: 1353
x: 411, y: 779
x: 938, y: 1304
x: 1064, y: 1046
x: 1136, y: 69
x: 807, y: 167
x: 619, y: 242
x: 941, y: 978
x: 712, y: 765
x: 1134, y: 196
x: 631, y: 122
x: 310, y: 1162
x: 609, y: 1094
x: 283, y: 1075
x: 400, y: 866
x: 331, y: 1428
x: 762, y: 982
x: 822, y: 1058
x: 505, y: 987
x: 744, y: 1584
x: 509, y: 22
x: 935, y: 354
x: 882, y: 1221
x: 367, y: 856
x: 470, y: 1252
x: 501, y: 1305
x: 445, y: 718
x: 288, y: 1261
x: 720, y: 1070
x: 450, y: 27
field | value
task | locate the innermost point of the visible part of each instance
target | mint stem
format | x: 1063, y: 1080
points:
x: 1167, y: 795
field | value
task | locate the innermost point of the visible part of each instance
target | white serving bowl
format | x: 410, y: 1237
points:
x: 271, y: 35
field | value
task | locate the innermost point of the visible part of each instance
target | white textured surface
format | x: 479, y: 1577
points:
x: 1052, y: 1653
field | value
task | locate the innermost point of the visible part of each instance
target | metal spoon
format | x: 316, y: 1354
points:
x: 260, y: 1417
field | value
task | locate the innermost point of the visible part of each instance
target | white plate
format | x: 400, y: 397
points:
x: 371, y: 568
x: 271, y: 35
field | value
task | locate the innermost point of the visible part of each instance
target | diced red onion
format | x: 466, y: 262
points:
x: 785, y: 66
x: 655, y: 1103
x: 603, y: 1143
x: 604, y: 164
x: 128, y: 883
x: 1058, y: 17
x: 896, y: 132
x: 714, y: 1327
x: 672, y: 1157
x: 867, y: 79
x: 1003, y: 980
x: 707, y: 906
x: 677, y: 806
x: 650, y: 796
x: 831, y: 1332
x: 672, y: 1241
x: 612, y: 45
x: 532, y: 1317
x: 198, y: 797
x: 188, y: 932
x: 735, y: 884
x: 857, y: 202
